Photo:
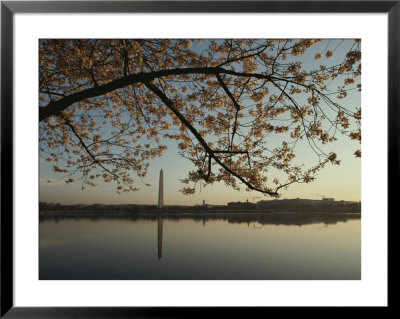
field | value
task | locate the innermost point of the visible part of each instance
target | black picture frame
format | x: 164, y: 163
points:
x: 9, y: 8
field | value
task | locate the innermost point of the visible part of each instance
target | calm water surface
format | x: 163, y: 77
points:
x: 281, y: 247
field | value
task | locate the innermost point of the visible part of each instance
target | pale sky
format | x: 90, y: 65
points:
x: 341, y: 182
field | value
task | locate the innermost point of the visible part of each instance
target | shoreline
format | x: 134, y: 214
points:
x: 199, y: 213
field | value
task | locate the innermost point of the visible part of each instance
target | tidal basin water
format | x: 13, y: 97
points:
x: 263, y: 247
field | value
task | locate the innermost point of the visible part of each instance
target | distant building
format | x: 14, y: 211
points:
x: 241, y: 205
x: 299, y: 204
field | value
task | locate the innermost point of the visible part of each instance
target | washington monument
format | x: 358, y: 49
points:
x: 161, y: 190
x: 160, y: 221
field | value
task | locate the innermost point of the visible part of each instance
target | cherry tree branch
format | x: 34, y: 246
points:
x: 199, y: 138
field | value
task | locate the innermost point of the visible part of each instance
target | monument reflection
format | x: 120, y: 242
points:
x: 160, y: 233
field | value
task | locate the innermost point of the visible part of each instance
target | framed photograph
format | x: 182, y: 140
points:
x: 195, y: 156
